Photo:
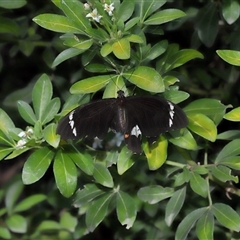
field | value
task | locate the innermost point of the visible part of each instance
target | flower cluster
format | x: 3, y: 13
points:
x: 94, y: 13
x: 25, y: 137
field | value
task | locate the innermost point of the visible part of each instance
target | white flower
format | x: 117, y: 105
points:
x: 87, y: 6
x: 109, y: 8
x: 94, y: 15
x: 21, y: 143
x: 22, y: 134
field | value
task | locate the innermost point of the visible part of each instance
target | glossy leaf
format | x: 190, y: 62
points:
x: 154, y: 194
x: 174, y: 205
x: 65, y: 174
x: 223, y: 174
x: 36, y: 165
x: 68, y: 221
x: 210, y: 107
x: 231, y: 11
x: 208, y: 24
x: 102, y: 175
x: 164, y: 16
x: 97, y: 211
x: 82, y: 159
x: 17, y: 223
x: 203, y: 126
x: 156, y: 153
x: 126, y: 209
x: 124, y: 161
x: 90, y: 85
x: 125, y: 11
x: 185, y: 141
x: 9, y: 26
x: 51, y: 110
x: 5, y: 233
x: 199, y: 185
x: 146, y: 78
x: 106, y: 49
x: 230, y: 56
x: 205, y: 226
x: 48, y: 225
x: 230, y: 150
x: 79, y: 44
x: 188, y: 222
x: 6, y: 140
x: 41, y: 95
x: 233, y: 115
x: 229, y: 135
x: 65, y: 55
x: 26, y: 112
x: 226, y: 216
x: 6, y: 122
x: 50, y: 135
x: 121, y: 49
x: 29, y: 202
x: 14, y: 4
x: 87, y: 194
x: 232, y: 162
x: 56, y: 23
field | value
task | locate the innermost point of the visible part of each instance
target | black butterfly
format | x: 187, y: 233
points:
x: 133, y: 116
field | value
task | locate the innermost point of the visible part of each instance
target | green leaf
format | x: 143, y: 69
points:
x: 65, y: 55
x: 102, y: 175
x: 175, y: 96
x: 12, y: 194
x: 199, y: 185
x: 98, y: 68
x: 48, y: 225
x: 188, y: 222
x: 6, y: 122
x: 229, y: 135
x: 65, y: 174
x: 156, y: 153
x: 126, y: 209
x: 51, y: 110
x: 231, y: 11
x: 164, y: 16
x: 89, y: 85
x: 154, y: 194
x: 182, y: 177
x: 49, y: 133
x: 26, y: 112
x: 203, y: 126
x: 232, y: 162
x: 56, y: 23
x: 121, y: 48
x: 125, y: 11
x: 181, y: 57
x: 146, y: 78
x: 75, y: 11
x: 5, y: 233
x: 17, y: 223
x: 124, y: 161
x: 226, y: 216
x: 113, y: 87
x: 41, y: 95
x: 205, y: 226
x: 69, y: 222
x: 185, y: 141
x: 87, y: 194
x: 9, y: 26
x: 74, y: 42
x: 174, y: 205
x: 210, y: 107
x: 232, y: 149
x: 5, y: 140
x: 97, y: 211
x: 4, y: 151
x: 106, y: 49
x: 207, y: 26
x: 233, y: 115
x: 36, y: 165
x: 29, y: 202
x: 223, y: 174
x: 230, y: 56
x: 157, y: 50
x: 134, y: 38
x: 146, y: 8
x: 13, y: 4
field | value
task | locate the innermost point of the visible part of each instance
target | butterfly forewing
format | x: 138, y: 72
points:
x: 90, y: 120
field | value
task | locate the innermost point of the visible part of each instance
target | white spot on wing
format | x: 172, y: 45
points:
x: 171, y: 114
x: 136, y: 131
x: 72, y: 123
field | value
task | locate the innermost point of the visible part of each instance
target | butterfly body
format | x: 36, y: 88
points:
x: 133, y: 116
